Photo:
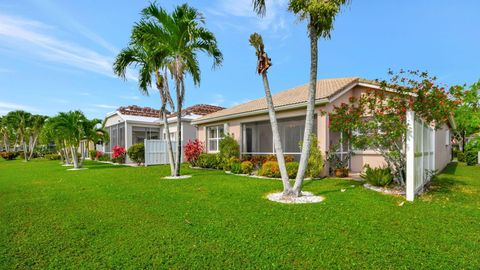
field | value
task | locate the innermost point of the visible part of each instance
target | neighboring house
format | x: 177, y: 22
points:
x: 249, y: 123
x: 133, y: 124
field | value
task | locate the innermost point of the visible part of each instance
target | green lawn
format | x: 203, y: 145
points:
x: 121, y: 217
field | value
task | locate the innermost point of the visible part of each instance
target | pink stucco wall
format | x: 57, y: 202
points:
x: 360, y: 158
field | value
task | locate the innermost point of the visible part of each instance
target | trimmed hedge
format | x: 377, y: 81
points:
x: 52, y: 157
x: 247, y: 167
x: 9, y: 155
x: 292, y: 169
x: 210, y: 161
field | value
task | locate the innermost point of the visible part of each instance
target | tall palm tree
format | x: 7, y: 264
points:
x: 320, y: 16
x: 180, y: 36
x: 150, y: 61
x: 263, y: 64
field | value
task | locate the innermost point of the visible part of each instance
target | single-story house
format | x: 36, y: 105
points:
x: 249, y: 123
x: 133, y: 124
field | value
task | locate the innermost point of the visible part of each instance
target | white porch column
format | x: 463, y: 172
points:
x: 410, y: 181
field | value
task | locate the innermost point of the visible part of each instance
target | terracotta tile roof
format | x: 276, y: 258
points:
x: 325, y: 89
x: 199, y: 109
x: 139, y: 111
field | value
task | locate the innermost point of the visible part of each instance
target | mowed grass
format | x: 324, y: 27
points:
x: 121, y: 217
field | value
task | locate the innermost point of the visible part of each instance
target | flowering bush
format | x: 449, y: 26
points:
x: 119, y: 154
x: 377, y: 119
x: 98, y: 154
x: 192, y: 150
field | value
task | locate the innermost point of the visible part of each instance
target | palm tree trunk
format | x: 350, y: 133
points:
x: 25, y: 154
x: 33, y: 146
x: 297, y: 188
x: 74, y: 157
x: 179, y: 136
x: 287, y: 188
x: 171, y: 159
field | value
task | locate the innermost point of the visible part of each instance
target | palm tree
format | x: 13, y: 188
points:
x: 263, y: 64
x: 180, y: 36
x: 36, y: 124
x: 320, y: 16
x: 5, y: 133
x: 150, y: 61
x: 72, y: 125
x: 95, y: 131
x: 20, y: 121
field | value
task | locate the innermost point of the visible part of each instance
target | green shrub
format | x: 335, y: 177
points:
x: 236, y: 167
x: 52, y: 157
x: 210, y: 161
x: 270, y: 169
x: 471, y: 157
x: 460, y: 156
x: 104, y: 158
x: 247, y: 167
x: 377, y: 176
x: 9, y: 155
x: 315, y: 160
x: 292, y: 169
x: 92, y: 154
x: 229, y: 148
x: 227, y: 166
x: 136, y: 153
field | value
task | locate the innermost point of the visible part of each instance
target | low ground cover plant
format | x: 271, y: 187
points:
x: 52, y: 157
x: 10, y: 155
x: 381, y: 176
x: 136, y: 153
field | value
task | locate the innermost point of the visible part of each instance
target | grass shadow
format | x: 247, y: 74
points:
x: 451, y: 168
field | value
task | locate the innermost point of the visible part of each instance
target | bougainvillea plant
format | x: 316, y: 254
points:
x: 192, y: 151
x: 118, y: 154
x: 377, y: 119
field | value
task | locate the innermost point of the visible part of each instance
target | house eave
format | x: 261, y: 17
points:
x: 258, y: 112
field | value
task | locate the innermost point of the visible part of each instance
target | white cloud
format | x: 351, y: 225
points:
x: 105, y: 106
x: 6, y: 107
x: 274, y: 20
x: 34, y: 37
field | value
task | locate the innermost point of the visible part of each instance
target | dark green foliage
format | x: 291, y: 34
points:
x: 52, y: 157
x: 471, y: 157
x: 227, y: 166
x: 247, y: 167
x: 9, y: 155
x: 104, y: 158
x: 229, y: 148
x: 377, y: 176
x: 210, y: 161
x: 236, y: 167
x: 116, y: 217
x: 136, y: 153
x: 460, y: 156
x: 292, y: 169
x: 92, y: 154
x: 269, y: 169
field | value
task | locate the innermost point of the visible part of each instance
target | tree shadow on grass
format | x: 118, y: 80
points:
x: 444, y: 185
x: 451, y: 169
x: 100, y: 166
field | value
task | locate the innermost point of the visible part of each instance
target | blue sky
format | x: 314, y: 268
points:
x: 56, y: 55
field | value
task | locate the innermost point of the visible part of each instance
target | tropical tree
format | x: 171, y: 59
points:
x: 263, y: 64
x: 95, y: 131
x: 19, y: 121
x: 150, y: 60
x: 36, y: 123
x: 467, y: 114
x: 5, y: 133
x: 320, y: 16
x: 180, y: 36
x: 73, y: 126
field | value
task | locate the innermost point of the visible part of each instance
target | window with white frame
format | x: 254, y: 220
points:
x: 214, y: 135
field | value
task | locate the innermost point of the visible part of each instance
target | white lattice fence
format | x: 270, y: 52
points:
x: 420, y: 155
x: 156, y: 152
